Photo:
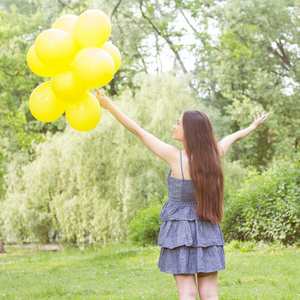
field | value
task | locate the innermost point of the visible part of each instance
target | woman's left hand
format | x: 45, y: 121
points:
x: 259, y: 120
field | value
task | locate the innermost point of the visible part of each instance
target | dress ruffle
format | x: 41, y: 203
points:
x: 197, y: 233
x: 189, y: 245
x: 190, y: 260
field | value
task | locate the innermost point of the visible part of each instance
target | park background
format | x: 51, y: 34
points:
x: 101, y: 188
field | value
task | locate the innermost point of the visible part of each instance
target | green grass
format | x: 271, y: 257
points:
x: 130, y: 272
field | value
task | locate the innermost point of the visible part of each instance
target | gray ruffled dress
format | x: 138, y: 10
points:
x: 189, y: 245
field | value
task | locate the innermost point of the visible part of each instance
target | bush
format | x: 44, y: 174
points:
x: 234, y: 176
x: 267, y: 206
x: 144, y: 229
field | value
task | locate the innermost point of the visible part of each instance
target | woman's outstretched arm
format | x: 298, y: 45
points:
x: 165, y: 151
x: 232, y: 138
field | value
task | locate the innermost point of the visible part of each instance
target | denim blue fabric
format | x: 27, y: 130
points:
x: 189, y: 245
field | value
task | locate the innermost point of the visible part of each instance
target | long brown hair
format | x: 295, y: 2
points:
x: 204, y: 165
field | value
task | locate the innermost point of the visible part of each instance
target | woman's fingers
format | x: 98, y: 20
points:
x: 266, y: 116
x: 260, y: 119
x: 100, y: 95
x: 263, y: 118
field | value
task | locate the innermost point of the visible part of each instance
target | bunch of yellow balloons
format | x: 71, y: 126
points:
x: 76, y: 54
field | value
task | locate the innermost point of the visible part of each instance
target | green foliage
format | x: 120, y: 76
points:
x: 234, y: 172
x: 2, y: 190
x: 241, y: 246
x: 256, y: 149
x: 234, y: 176
x: 21, y: 22
x: 144, y: 228
x: 256, y: 60
x: 267, y: 206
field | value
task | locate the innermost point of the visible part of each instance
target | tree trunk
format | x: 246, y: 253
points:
x: 1, y: 244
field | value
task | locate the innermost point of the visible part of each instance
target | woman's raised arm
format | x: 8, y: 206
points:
x: 225, y: 143
x: 165, y: 151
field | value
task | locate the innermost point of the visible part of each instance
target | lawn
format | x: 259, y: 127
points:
x: 129, y: 272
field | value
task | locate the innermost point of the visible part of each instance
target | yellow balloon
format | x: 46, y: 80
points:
x: 84, y: 114
x: 55, y: 47
x: 36, y: 66
x: 92, y: 28
x: 44, y: 105
x: 66, y: 23
x: 89, y: 88
x: 94, y: 66
x: 114, y: 52
x: 67, y: 86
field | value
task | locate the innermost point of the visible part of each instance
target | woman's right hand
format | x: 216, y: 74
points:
x: 258, y: 120
x: 104, y: 101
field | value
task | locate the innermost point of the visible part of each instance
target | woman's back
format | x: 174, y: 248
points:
x: 181, y: 189
x: 180, y: 167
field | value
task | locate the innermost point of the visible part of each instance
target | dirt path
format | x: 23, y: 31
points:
x: 47, y: 247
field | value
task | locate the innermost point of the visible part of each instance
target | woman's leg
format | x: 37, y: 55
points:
x: 187, y: 286
x: 207, y: 285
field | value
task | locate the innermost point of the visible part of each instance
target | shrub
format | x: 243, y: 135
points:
x: 234, y: 175
x: 267, y: 206
x: 144, y: 229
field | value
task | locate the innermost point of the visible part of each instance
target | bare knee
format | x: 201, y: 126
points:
x: 208, y: 295
x: 187, y: 295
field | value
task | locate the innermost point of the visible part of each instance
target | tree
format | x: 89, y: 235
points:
x: 258, y: 59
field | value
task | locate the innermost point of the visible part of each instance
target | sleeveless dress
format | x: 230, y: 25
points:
x: 189, y: 245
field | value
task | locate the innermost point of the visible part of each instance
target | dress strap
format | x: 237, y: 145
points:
x: 181, y: 165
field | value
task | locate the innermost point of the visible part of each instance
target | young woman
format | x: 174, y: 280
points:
x: 190, y: 236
